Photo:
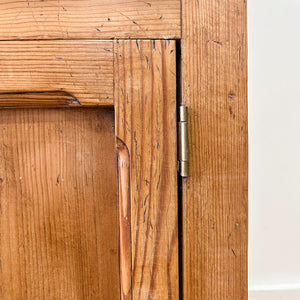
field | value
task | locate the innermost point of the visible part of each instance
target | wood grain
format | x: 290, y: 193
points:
x: 58, y: 196
x: 145, y: 108
x: 82, y: 68
x: 215, y: 205
x: 89, y: 19
x: 124, y: 220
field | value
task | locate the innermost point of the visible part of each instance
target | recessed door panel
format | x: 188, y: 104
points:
x: 58, y: 196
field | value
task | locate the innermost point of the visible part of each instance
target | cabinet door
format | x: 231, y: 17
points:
x: 88, y: 180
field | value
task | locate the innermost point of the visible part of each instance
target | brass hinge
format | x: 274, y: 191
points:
x: 183, y: 150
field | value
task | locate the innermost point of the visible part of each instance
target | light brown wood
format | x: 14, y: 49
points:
x: 89, y: 19
x: 145, y: 105
x: 82, y: 68
x: 214, y: 86
x: 124, y: 220
x: 58, y: 196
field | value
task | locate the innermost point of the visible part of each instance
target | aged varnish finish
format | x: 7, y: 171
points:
x: 91, y: 204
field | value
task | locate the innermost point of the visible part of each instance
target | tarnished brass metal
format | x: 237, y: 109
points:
x: 183, y: 151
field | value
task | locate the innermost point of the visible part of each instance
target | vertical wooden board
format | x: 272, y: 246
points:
x: 145, y: 104
x: 89, y: 19
x: 215, y: 205
x: 58, y: 213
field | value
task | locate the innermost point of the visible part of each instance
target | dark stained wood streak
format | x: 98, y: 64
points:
x: 124, y: 220
x: 38, y: 99
x: 145, y: 108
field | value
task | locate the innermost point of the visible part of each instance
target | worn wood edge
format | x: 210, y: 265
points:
x: 124, y: 207
x: 113, y: 39
x: 53, y: 99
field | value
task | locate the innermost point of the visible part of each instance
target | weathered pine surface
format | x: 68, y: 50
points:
x: 214, y: 86
x: 89, y: 19
x: 145, y: 106
x: 58, y: 204
x: 82, y: 68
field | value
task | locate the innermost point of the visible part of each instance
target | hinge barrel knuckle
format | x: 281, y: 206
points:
x: 183, y: 153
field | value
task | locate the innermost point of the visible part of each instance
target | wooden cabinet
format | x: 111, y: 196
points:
x: 79, y: 222
x: 91, y: 203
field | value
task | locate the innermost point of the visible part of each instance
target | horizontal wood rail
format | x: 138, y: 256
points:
x: 82, y: 68
x: 89, y: 19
